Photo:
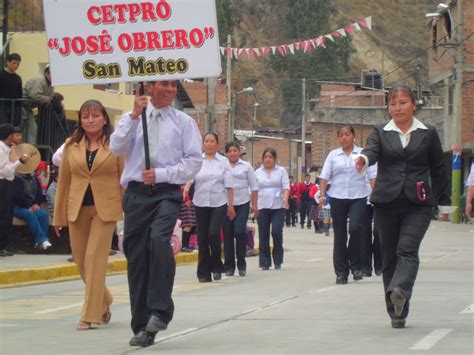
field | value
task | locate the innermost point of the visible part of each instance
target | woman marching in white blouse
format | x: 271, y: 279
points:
x: 213, y: 200
x: 273, y: 191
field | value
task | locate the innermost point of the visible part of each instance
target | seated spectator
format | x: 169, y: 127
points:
x: 27, y: 199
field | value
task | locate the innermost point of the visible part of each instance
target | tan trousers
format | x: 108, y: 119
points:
x: 90, y: 240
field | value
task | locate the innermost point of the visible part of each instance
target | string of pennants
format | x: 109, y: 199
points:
x: 307, y: 46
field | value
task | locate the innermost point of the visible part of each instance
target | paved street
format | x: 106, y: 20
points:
x: 297, y: 309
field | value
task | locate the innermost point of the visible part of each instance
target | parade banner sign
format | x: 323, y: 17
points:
x: 100, y: 41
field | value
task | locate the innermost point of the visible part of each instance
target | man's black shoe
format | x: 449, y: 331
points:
x: 242, y: 273
x: 265, y: 268
x: 143, y: 339
x: 229, y: 273
x: 155, y: 324
x: 217, y: 276
x: 341, y: 280
x: 203, y: 279
x: 357, y: 275
x: 378, y: 272
x: 398, y: 323
x: 398, y: 300
x: 367, y: 274
x: 277, y: 266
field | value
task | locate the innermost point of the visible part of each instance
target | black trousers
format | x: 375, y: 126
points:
x: 368, y: 246
x: 6, y: 211
x: 275, y: 218
x: 149, y: 224
x: 235, y: 239
x: 305, y: 210
x: 209, y: 223
x: 291, y: 212
x: 347, y: 257
x: 401, y: 225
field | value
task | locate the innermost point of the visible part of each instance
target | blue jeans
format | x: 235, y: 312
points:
x: 275, y: 218
x: 37, y: 222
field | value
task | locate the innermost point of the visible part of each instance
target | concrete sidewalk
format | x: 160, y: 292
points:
x: 29, y: 269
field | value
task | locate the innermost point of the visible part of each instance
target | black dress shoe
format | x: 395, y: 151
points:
x: 341, y: 280
x: 357, y: 275
x: 217, y: 276
x: 265, y: 268
x: 155, y: 324
x: 242, y: 273
x: 277, y: 266
x: 8, y: 252
x: 143, y: 339
x: 203, y: 279
x: 398, y: 300
x: 367, y: 274
x: 398, y: 323
x: 229, y: 273
x: 378, y: 272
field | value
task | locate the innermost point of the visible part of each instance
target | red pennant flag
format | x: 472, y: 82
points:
x: 266, y: 51
x: 335, y: 34
x: 251, y: 53
x: 363, y: 23
x: 349, y: 29
x: 281, y: 49
x: 228, y: 51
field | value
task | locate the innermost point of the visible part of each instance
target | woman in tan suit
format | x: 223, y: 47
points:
x: 88, y: 201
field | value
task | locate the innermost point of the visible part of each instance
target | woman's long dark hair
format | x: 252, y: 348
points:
x: 79, y: 132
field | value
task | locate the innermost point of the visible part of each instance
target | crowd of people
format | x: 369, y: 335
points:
x: 104, y: 177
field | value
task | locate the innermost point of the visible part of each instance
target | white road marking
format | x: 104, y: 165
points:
x: 468, y: 310
x: 313, y: 260
x: 431, y: 339
x: 180, y: 334
x: 51, y: 310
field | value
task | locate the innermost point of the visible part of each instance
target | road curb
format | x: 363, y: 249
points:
x: 63, y: 272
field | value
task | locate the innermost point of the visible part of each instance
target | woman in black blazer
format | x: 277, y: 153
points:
x: 411, y: 178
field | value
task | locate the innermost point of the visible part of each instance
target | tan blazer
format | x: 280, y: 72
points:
x: 74, y: 178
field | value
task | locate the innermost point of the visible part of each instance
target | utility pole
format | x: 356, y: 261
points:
x: 230, y: 116
x: 4, y: 31
x: 211, y: 105
x: 457, y: 115
x: 303, y: 131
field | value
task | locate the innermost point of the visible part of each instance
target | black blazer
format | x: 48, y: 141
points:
x: 400, y: 169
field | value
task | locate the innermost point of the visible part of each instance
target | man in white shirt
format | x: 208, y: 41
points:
x: 470, y: 192
x: 151, y: 201
x: 8, y: 163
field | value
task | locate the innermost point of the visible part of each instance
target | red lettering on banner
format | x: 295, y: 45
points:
x: 122, y: 13
x: 181, y: 39
x: 196, y: 37
x: 91, y: 15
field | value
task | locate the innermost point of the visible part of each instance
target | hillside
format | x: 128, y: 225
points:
x: 396, y: 44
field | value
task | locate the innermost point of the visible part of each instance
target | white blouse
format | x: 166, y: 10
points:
x: 244, y: 181
x: 271, y: 187
x: 211, y: 182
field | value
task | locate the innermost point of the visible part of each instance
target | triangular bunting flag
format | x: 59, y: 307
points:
x: 251, y: 53
x: 362, y: 23
x: 336, y: 34
x: 236, y: 53
x: 291, y: 47
x: 356, y: 26
x: 342, y: 32
x: 281, y: 49
x: 257, y: 51
x: 297, y: 46
x: 349, y: 29
x: 229, y: 51
x: 273, y: 49
x: 266, y: 51
x: 313, y: 43
x: 368, y: 21
x: 330, y: 37
x: 222, y: 50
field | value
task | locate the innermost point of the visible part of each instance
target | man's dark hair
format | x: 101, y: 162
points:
x: 13, y: 56
x: 17, y: 130
x: 6, y: 130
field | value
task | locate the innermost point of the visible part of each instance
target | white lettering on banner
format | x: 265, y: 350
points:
x: 96, y: 41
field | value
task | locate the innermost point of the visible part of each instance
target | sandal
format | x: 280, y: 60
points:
x: 106, y: 316
x: 83, y: 326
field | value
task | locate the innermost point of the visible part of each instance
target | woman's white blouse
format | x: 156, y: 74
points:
x: 244, y: 181
x: 346, y: 181
x: 271, y: 187
x: 211, y: 182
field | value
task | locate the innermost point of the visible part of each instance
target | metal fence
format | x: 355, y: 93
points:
x: 41, y: 124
